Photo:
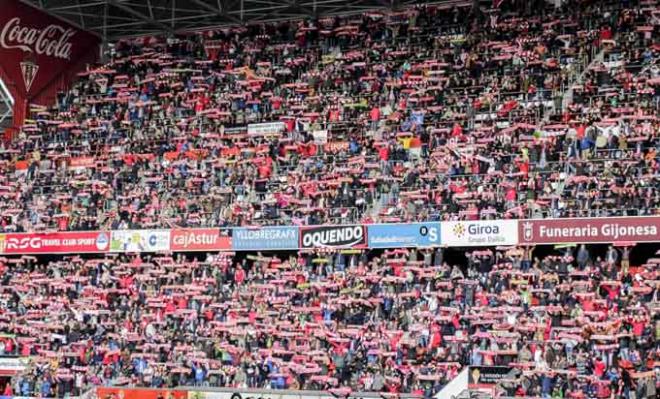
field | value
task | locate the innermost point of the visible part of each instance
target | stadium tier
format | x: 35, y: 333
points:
x: 397, y: 321
x: 414, y: 203
x: 408, y: 116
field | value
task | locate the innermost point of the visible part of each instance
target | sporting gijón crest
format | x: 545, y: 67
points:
x: 29, y: 71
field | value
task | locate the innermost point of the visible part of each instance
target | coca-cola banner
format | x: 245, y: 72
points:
x: 40, y: 54
x: 200, y: 240
x: 64, y: 242
x: 604, y: 230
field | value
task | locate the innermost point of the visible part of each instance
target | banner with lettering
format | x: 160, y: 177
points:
x: 352, y: 236
x: 64, y: 242
x: 10, y: 366
x: 40, y: 54
x: 264, y: 238
x: 265, y: 129
x: 82, y: 162
x: 200, y: 240
x: 589, y: 230
x: 404, y: 235
x: 479, y: 233
x: 480, y: 377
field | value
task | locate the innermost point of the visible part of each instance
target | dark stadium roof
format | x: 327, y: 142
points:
x: 114, y: 19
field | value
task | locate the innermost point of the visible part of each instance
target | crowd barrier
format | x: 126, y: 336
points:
x: 477, y: 233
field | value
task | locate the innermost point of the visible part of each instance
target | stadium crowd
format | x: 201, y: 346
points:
x: 572, y: 324
x: 421, y: 114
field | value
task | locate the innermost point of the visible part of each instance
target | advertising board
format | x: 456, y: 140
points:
x: 479, y: 233
x: 200, y: 240
x: 404, y: 235
x: 592, y: 230
x: 349, y: 236
x: 264, y: 238
x: 55, y: 243
x: 140, y: 241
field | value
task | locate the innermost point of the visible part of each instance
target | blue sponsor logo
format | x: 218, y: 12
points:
x: 264, y: 238
x: 102, y: 242
x: 403, y: 235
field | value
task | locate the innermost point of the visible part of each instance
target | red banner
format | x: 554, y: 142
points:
x: 82, y: 162
x: 199, y: 240
x: 55, y: 243
x: 40, y: 54
x: 597, y: 230
x: 336, y: 146
x: 137, y: 393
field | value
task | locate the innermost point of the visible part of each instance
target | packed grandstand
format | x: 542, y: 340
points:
x: 383, y: 203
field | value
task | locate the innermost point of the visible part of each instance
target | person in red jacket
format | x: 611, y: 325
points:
x: 8, y: 390
x: 239, y: 276
x: 374, y: 116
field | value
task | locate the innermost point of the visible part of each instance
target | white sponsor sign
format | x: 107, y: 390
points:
x: 333, y: 236
x: 140, y: 240
x: 479, y: 233
x: 13, y: 365
x: 265, y: 129
x: 320, y: 136
x: 51, y: 41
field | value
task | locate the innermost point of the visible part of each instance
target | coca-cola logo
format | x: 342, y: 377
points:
x: 51, y: 41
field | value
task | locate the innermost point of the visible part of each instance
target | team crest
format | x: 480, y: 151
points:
x: 29, y: 71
